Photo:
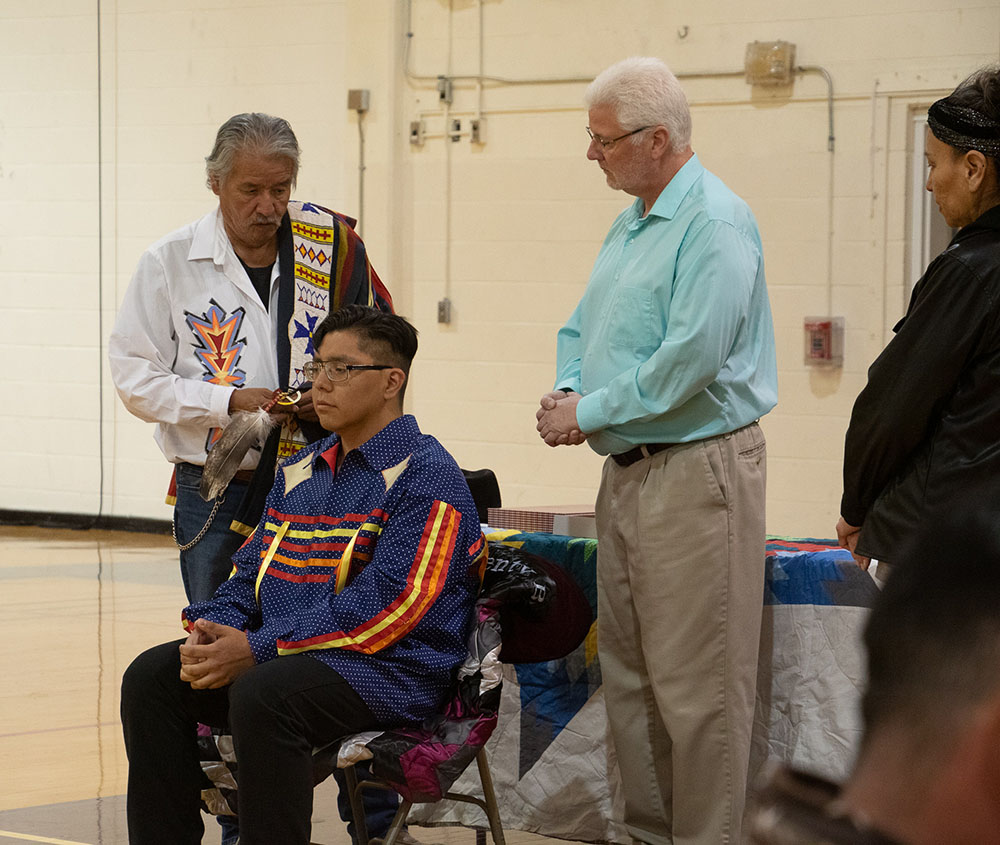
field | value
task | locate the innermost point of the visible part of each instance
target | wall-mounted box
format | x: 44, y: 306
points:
x: 824, y: 341
x: 358, y: 99
x: 769, y: 63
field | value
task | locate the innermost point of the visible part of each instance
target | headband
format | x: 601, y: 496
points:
x: 965, y: 128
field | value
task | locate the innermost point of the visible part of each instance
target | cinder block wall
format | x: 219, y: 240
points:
x: 105, y: 121
x: 507, y: 229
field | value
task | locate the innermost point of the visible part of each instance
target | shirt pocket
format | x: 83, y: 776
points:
x: 632, y: 322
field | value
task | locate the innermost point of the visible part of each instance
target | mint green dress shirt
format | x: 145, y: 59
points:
x: 673, y: 340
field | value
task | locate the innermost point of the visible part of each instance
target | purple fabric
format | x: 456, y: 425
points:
x: 422, y: 763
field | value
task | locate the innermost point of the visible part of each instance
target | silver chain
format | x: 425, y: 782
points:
x: 211, y: 518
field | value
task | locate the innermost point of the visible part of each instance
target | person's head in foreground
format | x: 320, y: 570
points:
x: 963, y: 148
x: 929, y: 768
x: 359, y: 371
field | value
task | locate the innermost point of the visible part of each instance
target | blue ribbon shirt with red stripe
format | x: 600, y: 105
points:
x: 372, y: 568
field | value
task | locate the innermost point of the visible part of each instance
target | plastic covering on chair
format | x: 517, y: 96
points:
x: 422, y: 763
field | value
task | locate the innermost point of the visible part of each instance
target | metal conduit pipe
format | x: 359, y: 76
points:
x: 480, y: 78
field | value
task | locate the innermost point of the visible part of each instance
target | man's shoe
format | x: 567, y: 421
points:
x: 407, y: 838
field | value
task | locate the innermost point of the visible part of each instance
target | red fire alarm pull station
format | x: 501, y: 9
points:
x: 824, y: 341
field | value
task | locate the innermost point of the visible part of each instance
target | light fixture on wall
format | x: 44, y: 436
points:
x: 769, y: 63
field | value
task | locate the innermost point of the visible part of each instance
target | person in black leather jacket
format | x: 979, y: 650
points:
x: 926, y: 428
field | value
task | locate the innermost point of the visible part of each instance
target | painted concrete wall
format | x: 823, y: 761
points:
x: 105, y: 120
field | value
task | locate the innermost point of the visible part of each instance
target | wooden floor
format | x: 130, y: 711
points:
x: 75, y: 608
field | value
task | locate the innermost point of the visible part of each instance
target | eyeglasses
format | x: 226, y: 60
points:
x: 608, y: 143
x: 337, y: 370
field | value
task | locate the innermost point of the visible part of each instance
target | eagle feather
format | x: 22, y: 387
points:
x: 246, y: 430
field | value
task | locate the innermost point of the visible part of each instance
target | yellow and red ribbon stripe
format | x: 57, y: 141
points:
x: 425, y: 580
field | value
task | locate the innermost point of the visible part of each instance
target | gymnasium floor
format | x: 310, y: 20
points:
x: 75, y: 608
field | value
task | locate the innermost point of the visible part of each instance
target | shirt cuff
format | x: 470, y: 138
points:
x: 571, y: 385
x: 852, y: 514
x: 263, y: 645
x: 589, y: 413
x: 220, y: 405
x: 213, y: 611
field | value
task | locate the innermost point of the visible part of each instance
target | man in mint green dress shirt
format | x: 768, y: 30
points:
x: 665, y: 366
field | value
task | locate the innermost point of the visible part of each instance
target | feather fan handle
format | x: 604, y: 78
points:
x: 246, y: 429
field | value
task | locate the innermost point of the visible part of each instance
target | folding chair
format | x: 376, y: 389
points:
x: 544, y: 616
x: 422, y: 764
x: 485, y: 490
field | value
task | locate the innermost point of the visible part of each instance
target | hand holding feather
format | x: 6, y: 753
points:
x: 246, y: 430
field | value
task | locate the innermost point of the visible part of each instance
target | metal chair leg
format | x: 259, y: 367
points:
x: 492, y: 810
x: 357, y: 808
x: 398, y: 822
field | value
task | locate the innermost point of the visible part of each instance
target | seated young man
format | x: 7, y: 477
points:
x: 347, y: 610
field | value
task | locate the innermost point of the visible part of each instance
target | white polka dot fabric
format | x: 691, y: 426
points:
x: 372, y: 568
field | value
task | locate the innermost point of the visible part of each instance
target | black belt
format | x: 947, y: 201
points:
x: 244, y: 476
x: 626, y: 459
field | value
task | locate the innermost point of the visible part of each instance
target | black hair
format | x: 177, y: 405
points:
x: 980, y: 91
x: 933, y: 638
x: 387, y: 337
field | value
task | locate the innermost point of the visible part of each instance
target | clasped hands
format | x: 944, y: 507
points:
x: 214, y: 655
x: 557, y: 424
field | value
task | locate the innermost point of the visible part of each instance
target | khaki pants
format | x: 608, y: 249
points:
x: 680, y: 595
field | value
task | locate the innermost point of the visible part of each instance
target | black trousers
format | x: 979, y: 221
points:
x: 277, y: 713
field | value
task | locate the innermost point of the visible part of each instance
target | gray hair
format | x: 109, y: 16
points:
x: 251, y: 132
x: 642, y: 91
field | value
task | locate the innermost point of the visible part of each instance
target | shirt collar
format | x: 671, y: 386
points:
x: 392, y: 443
x: 385, y: 449
x: 677, y: 188
x: 211, y: 241
x: 330, y: 455
x: 205, y: 243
